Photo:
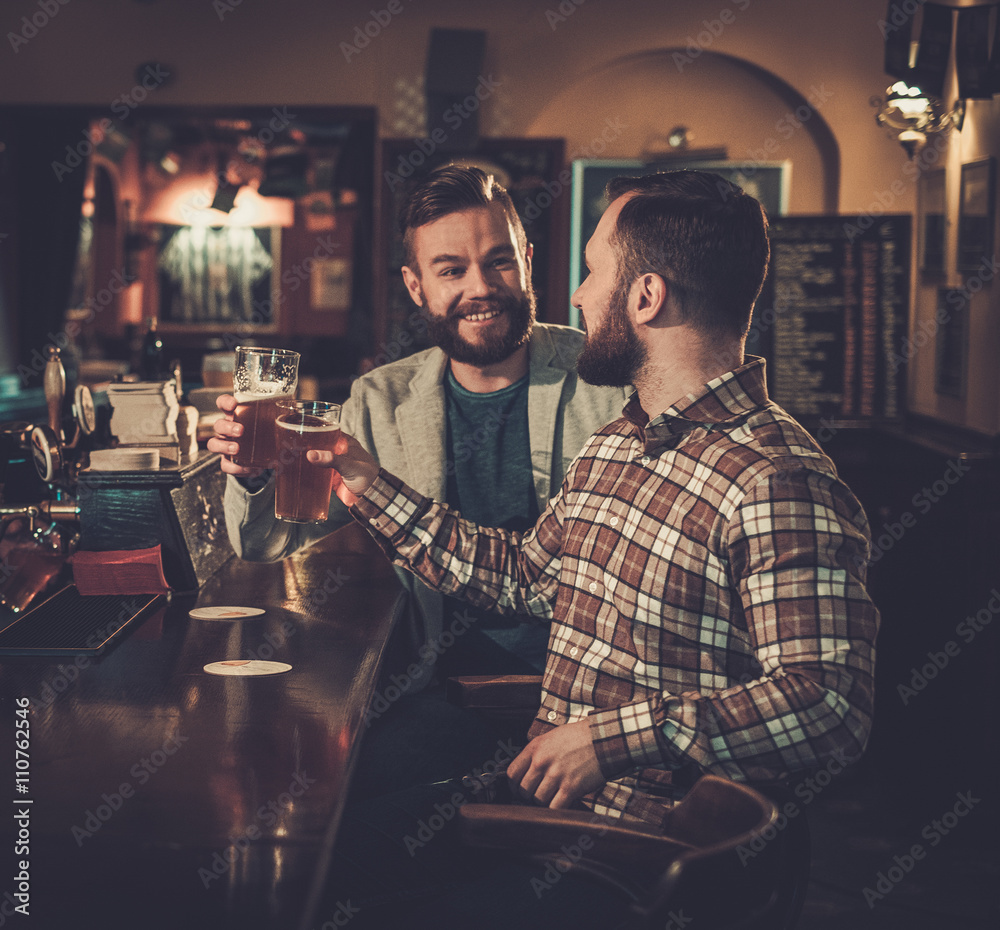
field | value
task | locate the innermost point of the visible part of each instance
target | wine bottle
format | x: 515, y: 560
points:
x: 151, y: 360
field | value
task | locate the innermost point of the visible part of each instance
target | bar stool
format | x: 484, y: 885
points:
x: 725, y: 859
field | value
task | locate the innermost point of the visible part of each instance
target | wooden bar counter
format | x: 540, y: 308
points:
x: 163, y: 796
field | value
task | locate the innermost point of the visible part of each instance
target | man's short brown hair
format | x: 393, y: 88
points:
x: 450, y: 189
x: 704, y: 235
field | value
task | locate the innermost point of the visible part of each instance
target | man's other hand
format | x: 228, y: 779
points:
x: 225, y: 439
x: 357, y: 468
x: 557, y: 767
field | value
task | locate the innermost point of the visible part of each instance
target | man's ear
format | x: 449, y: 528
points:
x: 651, y: 300
x: 412, y: 282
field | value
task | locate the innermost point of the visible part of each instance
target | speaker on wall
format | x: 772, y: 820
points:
x: 454, y: 75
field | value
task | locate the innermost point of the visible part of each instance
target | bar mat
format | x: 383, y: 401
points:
x: 71, y: 623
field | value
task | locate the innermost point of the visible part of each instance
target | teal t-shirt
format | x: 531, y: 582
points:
x: 489, y: 455
x: 490, y: 482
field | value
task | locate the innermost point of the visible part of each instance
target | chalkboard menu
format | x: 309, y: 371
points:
x: 832, y: 317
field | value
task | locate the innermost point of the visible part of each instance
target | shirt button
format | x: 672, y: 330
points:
x: 613, y: 521
x: 373, y: 521
x: 574, y: 651
x: 592, y: 586
x: 551, y: 715
x: 645, y: 460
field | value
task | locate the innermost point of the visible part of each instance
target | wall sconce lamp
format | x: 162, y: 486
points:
x: 910, y: 115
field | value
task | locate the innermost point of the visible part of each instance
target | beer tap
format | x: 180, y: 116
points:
x: 47, y: 441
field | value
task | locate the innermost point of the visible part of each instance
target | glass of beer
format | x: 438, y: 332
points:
x: 302, y: 490
x: 261, y: 379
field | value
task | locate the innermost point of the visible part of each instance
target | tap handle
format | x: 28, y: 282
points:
x: 55, y: 389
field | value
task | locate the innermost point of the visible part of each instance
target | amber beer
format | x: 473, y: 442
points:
x: 262, y: 378
x: 257, y: 414
x: 303, y: 490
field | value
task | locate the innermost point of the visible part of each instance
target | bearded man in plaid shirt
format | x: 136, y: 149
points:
x: 702, y: 564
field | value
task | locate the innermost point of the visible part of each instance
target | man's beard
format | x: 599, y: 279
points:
x: 498, y: 343
x: 613, y: 355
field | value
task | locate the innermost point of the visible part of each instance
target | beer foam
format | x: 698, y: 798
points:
x: 302, y: 428
x: 273, y: 392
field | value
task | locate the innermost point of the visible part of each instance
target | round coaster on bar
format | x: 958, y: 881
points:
x: 224, y: 613
x: 247, y: 667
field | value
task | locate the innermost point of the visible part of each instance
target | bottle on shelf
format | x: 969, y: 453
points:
x: 151, y: 365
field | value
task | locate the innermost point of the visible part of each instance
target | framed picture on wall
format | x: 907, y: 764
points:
x: 218, y: 276
x: 952, y: 343
x: 976, y: 213
x: 932, y: 223
x: 767, y: 181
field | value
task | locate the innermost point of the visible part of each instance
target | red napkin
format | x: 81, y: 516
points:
x: 120, y: 571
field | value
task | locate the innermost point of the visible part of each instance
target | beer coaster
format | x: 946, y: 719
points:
x: 224, y: 613
x: 250, y: 667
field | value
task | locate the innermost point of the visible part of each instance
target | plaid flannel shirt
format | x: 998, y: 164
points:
x: 704, y: 573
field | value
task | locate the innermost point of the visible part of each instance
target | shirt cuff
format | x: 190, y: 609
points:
x: 254, y: 484
x: 386, y: 507
x: 626, y: 738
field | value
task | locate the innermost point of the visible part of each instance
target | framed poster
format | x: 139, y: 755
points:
x: 767, y: 181
x: 530, y: 171
x: 976, y: 213
x: 212, y: 276
x: 932, y: 223
x: 951, y: 363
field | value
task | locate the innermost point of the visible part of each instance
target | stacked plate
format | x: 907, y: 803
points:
x: 124, y: 460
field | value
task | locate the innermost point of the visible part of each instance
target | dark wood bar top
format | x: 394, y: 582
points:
x: 163, y: 796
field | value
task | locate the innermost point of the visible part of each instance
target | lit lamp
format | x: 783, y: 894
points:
x: 911, y: 115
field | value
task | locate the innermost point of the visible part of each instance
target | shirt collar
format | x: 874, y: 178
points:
x: 723, y: 400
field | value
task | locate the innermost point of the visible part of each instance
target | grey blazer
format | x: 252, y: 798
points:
x: 397, y: 412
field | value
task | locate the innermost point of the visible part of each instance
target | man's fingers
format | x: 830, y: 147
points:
x: 222, y: 446
x: 562, y: 799
x: 226, y: 403
x: 320, y: 457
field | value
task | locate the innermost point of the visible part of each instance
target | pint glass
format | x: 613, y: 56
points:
x: 261, y: 378
x: 302, y: 490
